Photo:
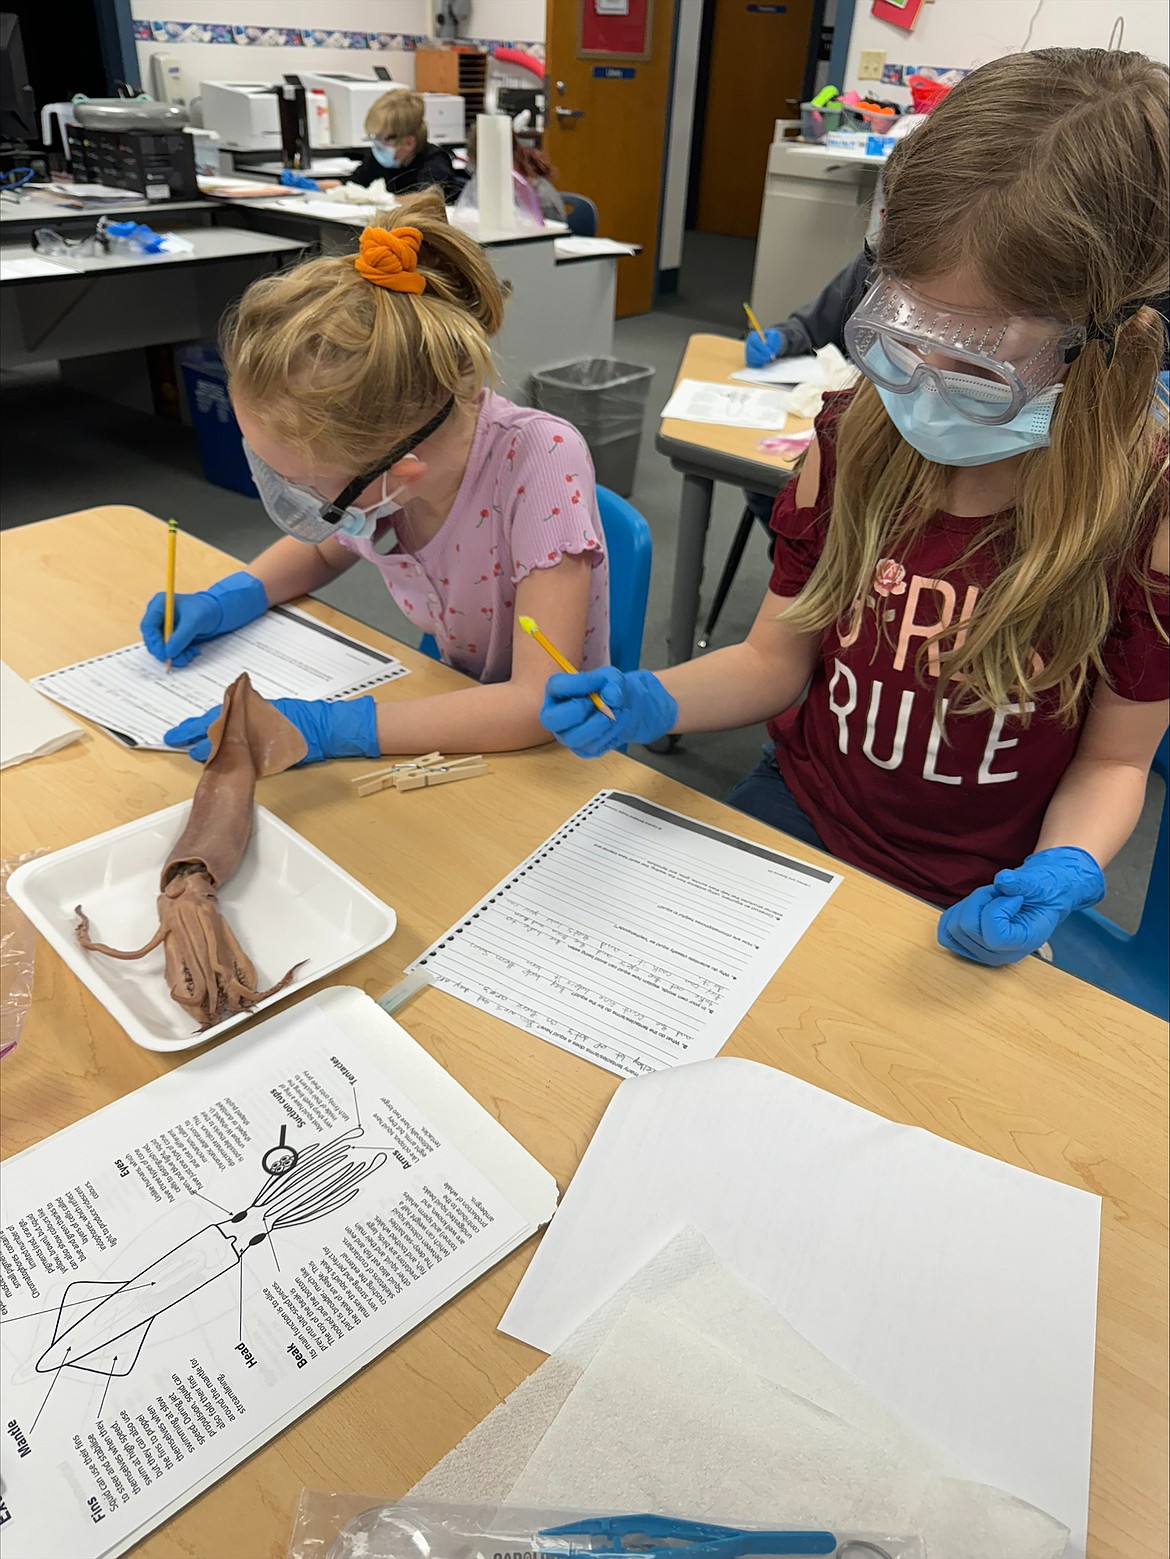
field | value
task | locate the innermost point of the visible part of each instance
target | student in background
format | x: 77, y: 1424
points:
x: 532, y: 165
x: 816, y: 324
x: 400, y: 152
x: 971, y: 567
x: 534, y: 169
x: 361, y: 388
x: 809, y: 327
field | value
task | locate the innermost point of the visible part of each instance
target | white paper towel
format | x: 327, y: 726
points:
x: 493, y: 173
x: 688, y: 1392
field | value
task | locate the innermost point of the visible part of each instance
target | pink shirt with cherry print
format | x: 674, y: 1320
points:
x: 527, y: 500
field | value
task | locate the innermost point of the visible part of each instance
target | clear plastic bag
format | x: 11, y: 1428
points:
x: 18, y: 947
x: 355, y: 1526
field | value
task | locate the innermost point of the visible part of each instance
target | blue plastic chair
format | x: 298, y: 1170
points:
x: 1130, y: 965
x: 581, y: 215
x: 628, y: 548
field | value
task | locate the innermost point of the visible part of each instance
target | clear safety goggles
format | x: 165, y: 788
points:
x: 986, y: 365
x: 308, y: 515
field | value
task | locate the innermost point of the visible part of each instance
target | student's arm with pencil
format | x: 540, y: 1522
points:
x: 492, y: 717
x: 283, y: 572
x: 732, y: 687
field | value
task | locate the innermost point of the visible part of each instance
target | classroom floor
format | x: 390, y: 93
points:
x: 64, y: 450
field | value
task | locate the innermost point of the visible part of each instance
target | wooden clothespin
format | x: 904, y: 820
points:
x: 431, y: 769
x: 379, y: 779
x: 444, y: 774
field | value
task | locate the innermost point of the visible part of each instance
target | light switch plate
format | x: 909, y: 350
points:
x: 869, y: 65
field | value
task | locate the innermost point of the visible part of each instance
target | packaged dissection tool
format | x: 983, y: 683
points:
x: 347, y: 1526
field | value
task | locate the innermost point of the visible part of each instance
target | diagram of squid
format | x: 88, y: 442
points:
x: 108, y: 1335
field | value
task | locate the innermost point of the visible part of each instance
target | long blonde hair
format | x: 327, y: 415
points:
x: 324, y: 359
x: 1047, y: 175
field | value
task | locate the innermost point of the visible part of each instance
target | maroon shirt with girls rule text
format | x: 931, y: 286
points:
x: 864, y: 756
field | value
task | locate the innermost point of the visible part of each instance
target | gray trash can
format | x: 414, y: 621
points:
x: 606, y: 400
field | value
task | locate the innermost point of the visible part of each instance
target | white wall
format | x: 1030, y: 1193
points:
x: 519, y: 21
x: 967, y: 33
x: 678, y: 148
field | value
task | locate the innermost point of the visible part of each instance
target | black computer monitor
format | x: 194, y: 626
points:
x: 18, y: 113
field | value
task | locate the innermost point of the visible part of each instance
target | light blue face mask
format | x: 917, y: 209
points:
x: 933, y: 427
x: 386, y: 155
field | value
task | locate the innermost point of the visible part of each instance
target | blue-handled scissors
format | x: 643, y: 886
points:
x: 663, y: 1537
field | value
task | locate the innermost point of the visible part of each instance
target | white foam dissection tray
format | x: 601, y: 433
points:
x: 287, y: 902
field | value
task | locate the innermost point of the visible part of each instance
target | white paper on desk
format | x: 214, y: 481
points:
x: 960, y: 1290
x: 30, y: 726
x: 727, y: 405
x: 689, y: 1391
x: 342, y: 1264
x: 785, y: 370
x: 287, y: 654
x: 25, y: 269
x: 634, y: 936
x: 101, y: 193
x: 575, y: 248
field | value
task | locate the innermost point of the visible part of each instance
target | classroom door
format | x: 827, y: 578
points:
x: 758, y: 55
x: 606, y: 137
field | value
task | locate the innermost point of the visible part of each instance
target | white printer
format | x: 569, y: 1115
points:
x: 446, y: 118
x: 246, y: 117
x: 243, y: 114
x: 350, y: 99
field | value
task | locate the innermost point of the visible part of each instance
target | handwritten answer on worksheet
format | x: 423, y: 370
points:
x: 634, y: 936
x: 287, y: 654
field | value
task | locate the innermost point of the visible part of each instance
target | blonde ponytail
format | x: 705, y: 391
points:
x: 345, y: 369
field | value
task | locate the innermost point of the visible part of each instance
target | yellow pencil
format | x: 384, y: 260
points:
x: 757, y: 327
x: 529, y: 626
x: 169, y: 609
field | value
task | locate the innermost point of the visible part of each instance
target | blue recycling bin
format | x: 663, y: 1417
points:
x: 217, y: 433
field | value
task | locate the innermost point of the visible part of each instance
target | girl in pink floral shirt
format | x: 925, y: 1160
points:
x: 361, y: 388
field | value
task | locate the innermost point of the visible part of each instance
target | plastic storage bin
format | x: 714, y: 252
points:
x: 606, y: 400
x: 815, y: 123
x: 221, y: 444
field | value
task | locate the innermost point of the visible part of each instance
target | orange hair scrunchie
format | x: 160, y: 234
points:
x: 390, y: 259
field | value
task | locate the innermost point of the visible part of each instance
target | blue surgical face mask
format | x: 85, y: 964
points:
x: 943, y: 435
x: 386, y: 155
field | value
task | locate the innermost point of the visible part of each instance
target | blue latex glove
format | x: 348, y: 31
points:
x: 230, y: 603
x: 293, y: 180
x: 1020, y: 910
x: 346, y: 729
x: 642, y: 707
x: 757, y: 353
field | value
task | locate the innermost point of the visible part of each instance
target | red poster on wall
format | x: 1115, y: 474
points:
x: 615, y: 29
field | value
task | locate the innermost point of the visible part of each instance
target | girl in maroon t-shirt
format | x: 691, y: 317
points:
x: 971, y: 568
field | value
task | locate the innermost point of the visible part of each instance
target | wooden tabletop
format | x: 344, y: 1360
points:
x: 1023, y: 1063
x: 713, y: 359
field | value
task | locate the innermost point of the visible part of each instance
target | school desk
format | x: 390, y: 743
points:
x: 560, y: 310
x: 1024, y: 1063
x: 112, y: 303
x: 705, y: 454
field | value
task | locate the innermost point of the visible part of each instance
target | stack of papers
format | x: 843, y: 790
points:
x: 26, y: 269
x: 688, y: 1391
x: 727, y: 405
x: 192, y: 1268
x: 287, y: 654
x: 961, y: 1291
x: 581, y: 248
x: 785, y: 370
x: 30, y: 726
x: 98, y: 194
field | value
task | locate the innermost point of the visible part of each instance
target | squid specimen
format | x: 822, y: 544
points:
x: 108, y: 1335
x: 208, y: 972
